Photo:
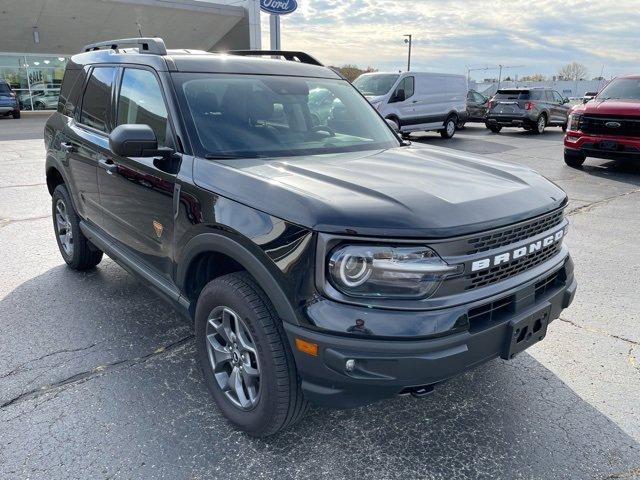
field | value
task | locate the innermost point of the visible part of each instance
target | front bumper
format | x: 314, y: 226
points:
x: 385, y: 368
x: 600, y: 146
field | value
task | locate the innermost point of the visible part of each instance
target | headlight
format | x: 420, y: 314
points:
x: 376, y: 271
x: 574, y: 121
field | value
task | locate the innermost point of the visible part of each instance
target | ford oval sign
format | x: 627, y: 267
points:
x: 278, y: 7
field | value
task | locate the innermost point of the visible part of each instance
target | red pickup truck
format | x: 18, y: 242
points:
x: 607, y: 126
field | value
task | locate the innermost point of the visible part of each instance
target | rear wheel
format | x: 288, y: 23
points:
x: 449, y: 129
x: 494, y: 128
x: 574, y: 159
x: 16, y: 115
x: 541, y: 124
x: 564, y: 127
x: 76, y: 250
x: 245, y: 356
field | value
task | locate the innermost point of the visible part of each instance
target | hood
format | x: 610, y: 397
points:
x: 611, y: 107
x: 406, y: 191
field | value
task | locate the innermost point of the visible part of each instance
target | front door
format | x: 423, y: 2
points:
x: 136, y: 194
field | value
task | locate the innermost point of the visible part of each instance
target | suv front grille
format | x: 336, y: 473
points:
x: 508, y: 270
x: 597, y: 125
x: 515, y: 234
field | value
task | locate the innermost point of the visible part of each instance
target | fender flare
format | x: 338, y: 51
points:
x: 52, y: 162
x: 217, y: 243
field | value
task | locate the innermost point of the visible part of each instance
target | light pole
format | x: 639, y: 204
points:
x: 408, y: 40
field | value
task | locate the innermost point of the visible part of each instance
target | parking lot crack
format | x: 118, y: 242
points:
x: 604, y: 201
x: 599, y: 331
x: 20, y: 367
x: 633, y: 473
x: 8, y: 221
x: 100, y: 370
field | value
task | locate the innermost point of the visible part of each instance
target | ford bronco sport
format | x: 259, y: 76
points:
x: 607, y: 126
x: 321, y: 259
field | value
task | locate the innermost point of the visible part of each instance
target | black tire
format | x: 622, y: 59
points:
x: 460, y: 125
x: 83, y: 254
x: 494, y: 128
x: 449, y: 129
x: 573, y: 159
x: 16, y: 115
x: 540, y: 125
x: 564, y: 127
x: 406, y: 136
x: 280, y: 402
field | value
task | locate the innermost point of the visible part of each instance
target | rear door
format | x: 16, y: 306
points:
x: 136, y: 194
x: 563, y: 108
x: 85, y: 140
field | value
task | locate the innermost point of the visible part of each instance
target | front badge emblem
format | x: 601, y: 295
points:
x: 157, y: 226
x: 613, y: 124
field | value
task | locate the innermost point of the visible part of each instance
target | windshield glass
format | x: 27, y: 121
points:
x: 378, y: 84
x: 512, y: 95
x: 273, y: 116
x: 628, y: 88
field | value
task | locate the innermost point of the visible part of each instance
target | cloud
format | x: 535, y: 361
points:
x: 542, y: 36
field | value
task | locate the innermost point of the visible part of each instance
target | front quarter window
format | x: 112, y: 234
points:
x: 273, y: 116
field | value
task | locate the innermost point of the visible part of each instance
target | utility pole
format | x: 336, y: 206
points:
x: 409, y: 59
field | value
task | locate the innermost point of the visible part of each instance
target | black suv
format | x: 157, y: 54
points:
x: 321, y: 261
x: 533, y: 109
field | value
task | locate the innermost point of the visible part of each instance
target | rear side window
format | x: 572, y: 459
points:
x: 69, y: 92
x: 409, y: 86
x: 141, y: 102
x: 96, y: 102
x: 4, y: 88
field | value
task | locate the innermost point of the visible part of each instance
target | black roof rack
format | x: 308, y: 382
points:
x: 286, y: 54
x: 154, y: 46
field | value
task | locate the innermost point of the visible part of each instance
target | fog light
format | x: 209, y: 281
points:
x: 350, y: 365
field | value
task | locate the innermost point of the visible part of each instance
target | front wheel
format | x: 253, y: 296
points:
x: 75, y: 248
x: 245, y: 357
x: 574, y: 160
x: 494, y: 128
x: 449, y: 129
x: 16, y: 115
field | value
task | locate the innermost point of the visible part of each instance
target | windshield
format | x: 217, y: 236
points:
x: 378, y: 84
x: 628, y: 88
x: 512, y: 95
x: 273, y: 116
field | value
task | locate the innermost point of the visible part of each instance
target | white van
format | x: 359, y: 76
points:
x: 417, y: 101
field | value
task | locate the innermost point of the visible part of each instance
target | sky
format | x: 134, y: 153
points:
x: 448, y: 36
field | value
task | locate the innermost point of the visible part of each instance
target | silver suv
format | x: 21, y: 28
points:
x: 533, y: 109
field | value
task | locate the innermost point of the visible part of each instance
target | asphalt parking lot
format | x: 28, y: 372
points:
x: 98, y: 377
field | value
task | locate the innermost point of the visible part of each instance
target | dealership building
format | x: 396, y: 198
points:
x: 37, y: 37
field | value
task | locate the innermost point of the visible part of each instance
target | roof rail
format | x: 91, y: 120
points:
x: 286, y: 54
x: 154, y: 46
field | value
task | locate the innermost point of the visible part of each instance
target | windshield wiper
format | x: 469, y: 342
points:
x: 222, y: 156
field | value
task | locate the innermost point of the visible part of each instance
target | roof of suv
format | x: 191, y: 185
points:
x: 184, y: 60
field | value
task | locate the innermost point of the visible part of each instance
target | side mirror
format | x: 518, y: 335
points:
x: 392, y: 124
x: 399, y: 96
x: 131, y: 140
x: 565, y: 100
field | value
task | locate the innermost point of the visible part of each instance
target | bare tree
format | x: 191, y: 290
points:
x: 573, y: 71
x: 536, y: 77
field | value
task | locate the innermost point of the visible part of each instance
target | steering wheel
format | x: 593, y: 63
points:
x: 324, y: 128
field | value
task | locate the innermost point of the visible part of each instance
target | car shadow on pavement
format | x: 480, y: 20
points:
x: 28, y: 127
x: 102, y: 373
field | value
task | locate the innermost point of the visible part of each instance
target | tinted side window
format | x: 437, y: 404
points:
x: 409, y: 86
x: 141, y: 102
x: 557, y: 97
x: 549, y: 96
x: 69, y: 92
x: 97, y: 99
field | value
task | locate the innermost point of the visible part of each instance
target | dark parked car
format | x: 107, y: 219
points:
x: 533, y: 109
x: 476, y: 108
x: 334, y: 265
x: 9, y: 104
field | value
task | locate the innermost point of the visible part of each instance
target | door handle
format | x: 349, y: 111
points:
x: 67, y: 147
x: 108, y: 165
x: 415, y: 101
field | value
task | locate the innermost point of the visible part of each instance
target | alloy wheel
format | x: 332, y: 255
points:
x: 233, y: 357
x: 451, y: 128
x: 63, y: 227
x: 542, y: 123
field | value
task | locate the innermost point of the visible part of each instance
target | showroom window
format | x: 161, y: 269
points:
x: 36, y: 79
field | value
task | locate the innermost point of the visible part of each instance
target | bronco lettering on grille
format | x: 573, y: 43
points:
x: 520, y: 252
